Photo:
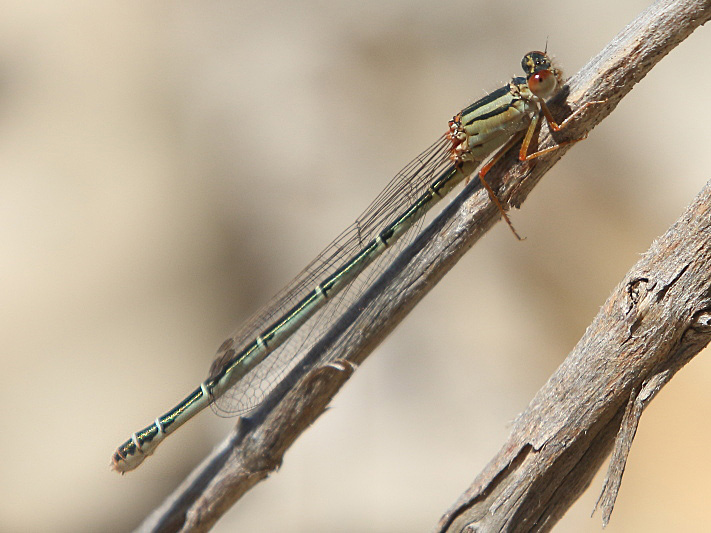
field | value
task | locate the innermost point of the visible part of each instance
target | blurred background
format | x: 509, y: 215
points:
x: 166, y: 168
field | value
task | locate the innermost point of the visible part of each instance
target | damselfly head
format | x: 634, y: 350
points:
x: 543, y: 78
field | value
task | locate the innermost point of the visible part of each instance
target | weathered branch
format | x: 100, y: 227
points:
x: 655, y: 321
x: 256, y: 446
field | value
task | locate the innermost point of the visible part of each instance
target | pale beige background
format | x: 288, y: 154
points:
x: 166, y: 167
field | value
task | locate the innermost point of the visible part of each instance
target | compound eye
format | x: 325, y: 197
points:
x: 542, y: 83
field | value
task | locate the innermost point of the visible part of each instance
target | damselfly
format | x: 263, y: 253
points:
x: 253, y: 361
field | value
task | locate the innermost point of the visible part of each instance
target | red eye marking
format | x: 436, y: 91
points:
x: 542, y: 83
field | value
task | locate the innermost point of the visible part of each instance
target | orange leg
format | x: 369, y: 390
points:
x: 554, y: 125
x: 485, y: 169
x: 523, y: 154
